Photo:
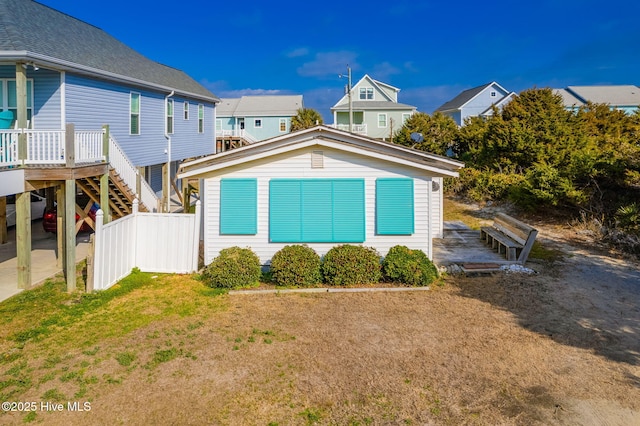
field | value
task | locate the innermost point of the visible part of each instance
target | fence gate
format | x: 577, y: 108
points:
x: 152, y: 242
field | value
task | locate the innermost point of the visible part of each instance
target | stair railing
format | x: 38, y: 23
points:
x: 130, y: 175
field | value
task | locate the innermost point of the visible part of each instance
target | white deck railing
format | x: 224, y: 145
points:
x: 239, y: 133
x: 47, y: 147
x: 360, y: 129
x: 129, y: 174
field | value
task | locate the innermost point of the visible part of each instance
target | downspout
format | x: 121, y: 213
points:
x: 166, y: 135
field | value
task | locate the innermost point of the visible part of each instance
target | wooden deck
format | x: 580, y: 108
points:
x: 462, y: 245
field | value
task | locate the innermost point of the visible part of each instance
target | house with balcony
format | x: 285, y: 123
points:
x: 245, y: 120
x: 83, y: 112
x: 374, y: 109
x: 476, y: 102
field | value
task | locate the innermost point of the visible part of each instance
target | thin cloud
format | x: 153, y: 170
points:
x: 329, y: 64
x: 297, y: 52
x: 384, y: 70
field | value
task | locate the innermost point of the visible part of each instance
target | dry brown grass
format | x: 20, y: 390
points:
x: 488, y: 350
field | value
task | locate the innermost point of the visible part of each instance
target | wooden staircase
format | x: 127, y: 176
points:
x: 121, y: 196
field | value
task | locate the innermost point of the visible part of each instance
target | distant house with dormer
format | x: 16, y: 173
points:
x: 376, y: 111
x: 478, y: 101
x: 622, y: 97
x: 250, y: 119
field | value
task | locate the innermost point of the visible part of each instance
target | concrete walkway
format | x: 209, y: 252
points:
x: 44, y: 257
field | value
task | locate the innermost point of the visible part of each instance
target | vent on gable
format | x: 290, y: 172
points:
x: 317, y: 160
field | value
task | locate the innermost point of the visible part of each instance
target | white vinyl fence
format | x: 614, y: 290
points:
x: 152, y: 242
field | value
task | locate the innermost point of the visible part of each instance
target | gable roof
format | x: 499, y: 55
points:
x: 344, y: 100
x: 276, y: 105
x: 621, y: 95
x: 499, y: 105
x: 30, y: 31
x: 568, y: 99
x: 467, y: 96
x: 327, y: 137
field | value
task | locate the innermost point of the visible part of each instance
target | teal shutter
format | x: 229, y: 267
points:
x: 394, y: 206
x: 238, y: 206
x: 348, y: 211
x: 285, y: 211
x: 316, y: 210
x: 317, y: 215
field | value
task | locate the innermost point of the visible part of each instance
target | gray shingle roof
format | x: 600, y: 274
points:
x: 36, y: 32
x: 462, y: 98
x: 622, y: 95
x: 268, y: 105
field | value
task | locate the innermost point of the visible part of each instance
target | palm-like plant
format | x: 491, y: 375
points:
x: 305, y: 119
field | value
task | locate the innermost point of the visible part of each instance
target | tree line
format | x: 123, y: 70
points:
x: 537, y: 154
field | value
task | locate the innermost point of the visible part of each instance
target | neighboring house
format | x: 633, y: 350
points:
x: 376, y: 111
x: 624, y: 97
x: 77, y: 73
x: 62, y: 79
x: 255, y: 118
x: 475, y: 102
x: 321, y: 187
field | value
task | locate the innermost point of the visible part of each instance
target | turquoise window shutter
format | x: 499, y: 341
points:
x: 348, y: 210
x: 238, y: 206
x: 316, y: 210
x: 394, y: 206
x: 285, y: 211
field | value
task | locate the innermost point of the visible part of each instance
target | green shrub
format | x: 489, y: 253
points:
x: 408, y: 266
x: 234, y: 267
x: 297, y: 265
x: 348, y: 264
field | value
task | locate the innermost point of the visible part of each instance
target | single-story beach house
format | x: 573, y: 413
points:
x: 321, y: 187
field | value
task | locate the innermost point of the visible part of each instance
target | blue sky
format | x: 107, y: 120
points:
x: 431, y: 50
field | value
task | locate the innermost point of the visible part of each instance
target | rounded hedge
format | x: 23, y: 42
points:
x: 297, y: 265
x: 234, y: 267
x: 348, y: 265
x: 407, y: 266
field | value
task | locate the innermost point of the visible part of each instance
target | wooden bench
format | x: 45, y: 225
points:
x: 510, y: 236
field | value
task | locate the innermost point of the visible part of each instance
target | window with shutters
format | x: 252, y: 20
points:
x: 316, y: 210
x: 394, y: 206
x: 238, y: 206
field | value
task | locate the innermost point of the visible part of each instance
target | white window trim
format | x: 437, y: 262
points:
x: 170, y: 101
x: 4, y: 101
x: 257, y: 123
x: 366, y: 91
x: 280, y: 122
x: 405, y: 117
x: 386, y: 121
x: 186, y: 110
x: 139, y: 113
x: 201, y: 119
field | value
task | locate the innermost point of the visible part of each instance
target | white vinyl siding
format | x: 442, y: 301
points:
x: 337, y: 165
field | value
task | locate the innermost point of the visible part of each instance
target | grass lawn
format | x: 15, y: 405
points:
x: 165, y: 349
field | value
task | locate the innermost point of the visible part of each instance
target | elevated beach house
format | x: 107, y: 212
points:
x: 321, y: 187
x: 374, y: 109
x: 245, y: 120
x: 82, y: 112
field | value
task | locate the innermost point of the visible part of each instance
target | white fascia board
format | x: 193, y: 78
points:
x: 313, y: 142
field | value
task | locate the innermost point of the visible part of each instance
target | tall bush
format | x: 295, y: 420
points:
x: 349, y: 265
x: 296, y: 265
x: 234, y: 267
